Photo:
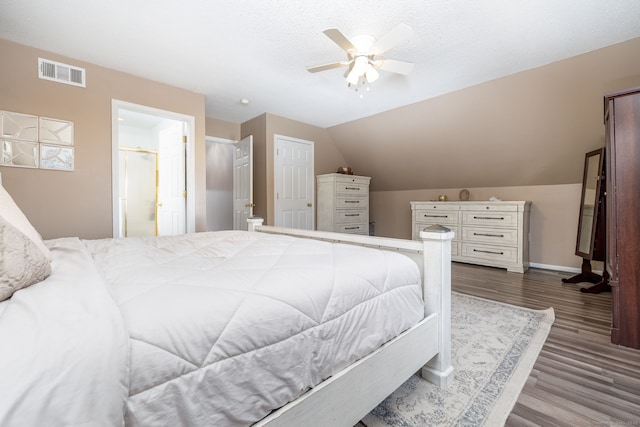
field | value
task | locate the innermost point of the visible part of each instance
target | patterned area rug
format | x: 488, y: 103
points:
x: 495, y: 346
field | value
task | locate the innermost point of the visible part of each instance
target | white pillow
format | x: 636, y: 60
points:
x: 21, y: 263
x: 13, y: 215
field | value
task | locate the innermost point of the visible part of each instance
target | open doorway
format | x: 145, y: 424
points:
x: 153, y: 171
x: 229, y: 183
x: 219, y: 183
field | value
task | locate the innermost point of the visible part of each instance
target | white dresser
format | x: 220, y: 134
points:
x: 343, y: 203
x: 495, y: 234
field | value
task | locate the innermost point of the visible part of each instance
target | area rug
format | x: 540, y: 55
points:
x: 494, y: 348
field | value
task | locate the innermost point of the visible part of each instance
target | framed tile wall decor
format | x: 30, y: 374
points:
x: 56, y: 131
x: 29, y: 141
x: 19, y: 126
x: 58, y: 157
x: 19, y: 154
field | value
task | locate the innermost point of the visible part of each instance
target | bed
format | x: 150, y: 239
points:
x: 267, y: 327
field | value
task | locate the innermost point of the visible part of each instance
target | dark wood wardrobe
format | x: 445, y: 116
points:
x: 622, y: 122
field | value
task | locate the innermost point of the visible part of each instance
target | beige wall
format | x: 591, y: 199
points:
x: 222, y: 129
x: 554, y: 216
x: 530, y: 128
x: 521, y: 137
x: 79, y: 203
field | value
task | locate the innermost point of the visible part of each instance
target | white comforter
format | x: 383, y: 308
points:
x: 64, y: 350
x: 222, y: 327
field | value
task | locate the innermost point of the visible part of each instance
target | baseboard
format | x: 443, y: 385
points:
x: 555, y: 267
x: 560, y: 268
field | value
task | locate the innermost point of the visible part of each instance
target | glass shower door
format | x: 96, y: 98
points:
x: 139, y: 187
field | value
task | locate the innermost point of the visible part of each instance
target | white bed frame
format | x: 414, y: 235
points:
x: 345, y: 398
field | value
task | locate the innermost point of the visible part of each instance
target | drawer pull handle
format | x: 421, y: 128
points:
x: 488, y: 252
x: 351, y: 214
x: 352, y: 228
x: 352, y: 188
x: 436, y: 216
x: 489, y: 217
x: 352, y: 201
x: 488, y: 235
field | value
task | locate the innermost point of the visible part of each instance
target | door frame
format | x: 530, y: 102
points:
x: 116, y: 106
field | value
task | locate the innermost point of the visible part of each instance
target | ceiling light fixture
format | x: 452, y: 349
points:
x: 371, y: 74
x: 362, y: 71
x: 364, y: 56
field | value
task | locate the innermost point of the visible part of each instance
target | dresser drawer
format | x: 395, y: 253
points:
x: 360, y: 228
x: 490, y: 218
x: 434, y: 216
x: 499, y: 254
x: 498, y: 236
x: 489, y: 206
x: 352, y: 202
x: 351, y: 188
x: 352, y: 215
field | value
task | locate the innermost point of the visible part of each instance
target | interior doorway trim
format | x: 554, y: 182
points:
x: 116, y: 106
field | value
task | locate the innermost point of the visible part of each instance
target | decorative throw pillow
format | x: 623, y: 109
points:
x: 22, y: 263
x: 12, y: 214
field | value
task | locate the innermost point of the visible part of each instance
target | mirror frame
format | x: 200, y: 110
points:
x: 599, y: 152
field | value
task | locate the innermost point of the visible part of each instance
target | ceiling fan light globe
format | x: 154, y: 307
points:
x: 372, y: 74
x: 353, y: 77
x: 360, y: 65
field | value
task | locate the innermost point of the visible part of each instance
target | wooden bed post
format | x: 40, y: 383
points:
x: 437, y: 296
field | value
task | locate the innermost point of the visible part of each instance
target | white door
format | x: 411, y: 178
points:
x: 294, y: 183
x: 171, y: 207
x: 242, y: 183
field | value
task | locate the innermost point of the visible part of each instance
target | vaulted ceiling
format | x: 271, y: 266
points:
x: 259, y: 50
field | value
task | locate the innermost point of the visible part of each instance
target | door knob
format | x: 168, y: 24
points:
x: 309, y: 205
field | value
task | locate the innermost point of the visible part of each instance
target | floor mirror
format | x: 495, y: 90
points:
x: 590, y: 241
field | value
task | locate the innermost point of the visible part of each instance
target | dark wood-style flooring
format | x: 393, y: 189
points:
x: 579, y: 378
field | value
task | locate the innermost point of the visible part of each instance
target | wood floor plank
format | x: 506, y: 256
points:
x: 580, y: 378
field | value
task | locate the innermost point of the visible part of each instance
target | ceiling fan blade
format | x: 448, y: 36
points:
x: 324, y: 67
x: 399, y: 34
x: 400, y: 67
x: 340, y: 39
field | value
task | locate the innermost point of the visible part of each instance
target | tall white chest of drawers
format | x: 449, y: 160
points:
x: 495, y: 234
x: 343, y: 203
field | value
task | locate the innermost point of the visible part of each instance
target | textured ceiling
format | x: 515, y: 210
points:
x: 259, y: 49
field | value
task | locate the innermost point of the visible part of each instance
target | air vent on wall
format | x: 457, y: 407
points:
x: 62, y: 73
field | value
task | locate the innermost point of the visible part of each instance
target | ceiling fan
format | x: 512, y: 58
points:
x: 363, y: 55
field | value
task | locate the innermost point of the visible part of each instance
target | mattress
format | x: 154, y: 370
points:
x: 225, y: 327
